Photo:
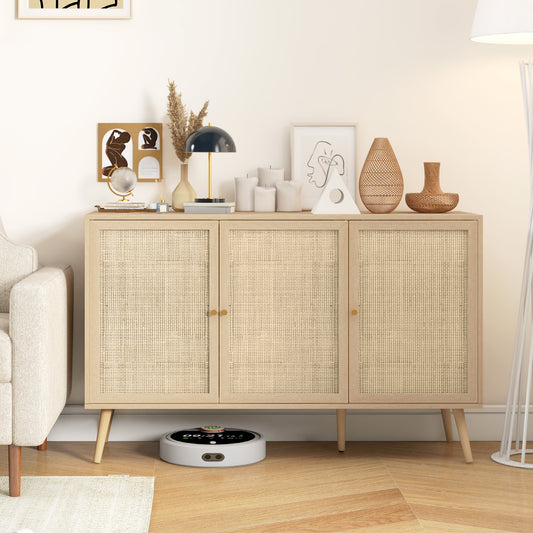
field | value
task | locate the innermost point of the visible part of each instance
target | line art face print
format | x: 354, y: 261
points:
x: 322, y: 160
x: 317, y: 151
x: 79, y: 4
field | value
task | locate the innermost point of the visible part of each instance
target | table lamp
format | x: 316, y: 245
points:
x: 511, y: 22
x: 209, y: 139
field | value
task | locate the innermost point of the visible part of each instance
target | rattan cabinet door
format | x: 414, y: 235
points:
x: 150, y: 336
x: 284, y: 288
x: 414, y: 287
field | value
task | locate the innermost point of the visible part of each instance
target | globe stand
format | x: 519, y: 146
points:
x: 121, y: 182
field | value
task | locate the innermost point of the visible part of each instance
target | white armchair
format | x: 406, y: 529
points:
x: 35, y: 350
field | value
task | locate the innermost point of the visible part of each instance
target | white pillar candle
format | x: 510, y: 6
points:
x: 265, y: 199
x: 289, y: 195
x: 244, y: 193
x: 269, y: 176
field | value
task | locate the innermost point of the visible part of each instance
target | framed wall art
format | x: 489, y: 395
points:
x: 138, y: 146
x: 317, y: 149
x: 69, y: 9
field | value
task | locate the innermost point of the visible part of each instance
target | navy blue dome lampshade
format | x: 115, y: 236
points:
x: 209, y: 139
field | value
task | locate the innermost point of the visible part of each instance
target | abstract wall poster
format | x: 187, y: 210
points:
x: 69, y: 9
x: 316, y: 150
x: 138, y: 146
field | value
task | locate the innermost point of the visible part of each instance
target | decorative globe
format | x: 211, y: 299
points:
x: 122, y: 181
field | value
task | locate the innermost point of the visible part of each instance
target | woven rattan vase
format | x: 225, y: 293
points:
x: 381, y: 181
x: 183, y: 191
x: 432, y: 199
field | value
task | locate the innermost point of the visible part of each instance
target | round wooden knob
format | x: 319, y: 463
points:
x: 214, y: 312
x: 223, y: 312
x: 354, y: 312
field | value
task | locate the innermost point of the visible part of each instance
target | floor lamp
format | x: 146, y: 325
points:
x: 511, y: 22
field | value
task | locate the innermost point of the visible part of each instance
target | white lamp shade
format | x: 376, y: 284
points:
x: 503, y: 22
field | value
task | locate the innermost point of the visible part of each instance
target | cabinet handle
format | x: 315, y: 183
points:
x: 214, y: 312
x: 223, y: 312
x: 354, y: 312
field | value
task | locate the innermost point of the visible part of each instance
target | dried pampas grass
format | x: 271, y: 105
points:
x: 181, y: 123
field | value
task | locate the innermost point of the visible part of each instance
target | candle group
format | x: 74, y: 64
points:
x: 268, y: 192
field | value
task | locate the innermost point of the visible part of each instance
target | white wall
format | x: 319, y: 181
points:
x: 403, y: 69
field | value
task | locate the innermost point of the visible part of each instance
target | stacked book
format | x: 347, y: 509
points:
x: 123, y: 205
x: 209, y: 208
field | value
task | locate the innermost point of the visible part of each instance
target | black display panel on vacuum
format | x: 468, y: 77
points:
x: 228, y: 436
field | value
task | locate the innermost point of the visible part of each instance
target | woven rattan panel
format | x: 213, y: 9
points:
x: 154, y: 302
x: 413, y: 295
x: 283, y: 287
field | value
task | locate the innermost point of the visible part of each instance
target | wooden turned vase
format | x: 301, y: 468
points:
x: 432, y: 199
x: 381, y: 181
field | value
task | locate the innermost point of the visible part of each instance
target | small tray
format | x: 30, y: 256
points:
x: 104, y: 210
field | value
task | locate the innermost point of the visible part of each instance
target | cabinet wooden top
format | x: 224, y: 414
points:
x: 397, y: 215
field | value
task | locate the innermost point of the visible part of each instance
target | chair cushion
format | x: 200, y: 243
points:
x: 5, y: 349
x: 16, y: 262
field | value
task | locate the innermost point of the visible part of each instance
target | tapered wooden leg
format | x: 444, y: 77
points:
x: 448, y: 425
x: 341, y: 429
x: 103, y: 430
x: 460, y: 422
x: 14, y: 470
x: 42, y: 447
x: 109, y: 427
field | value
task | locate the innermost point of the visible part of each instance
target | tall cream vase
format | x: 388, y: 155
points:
x: 183, y: 191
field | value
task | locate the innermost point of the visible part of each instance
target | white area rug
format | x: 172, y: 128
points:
x: 78, y: 505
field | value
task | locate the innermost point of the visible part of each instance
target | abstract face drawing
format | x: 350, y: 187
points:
x: 322, y: 160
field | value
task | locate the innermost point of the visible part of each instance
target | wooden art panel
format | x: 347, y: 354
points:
x: 138, y: 146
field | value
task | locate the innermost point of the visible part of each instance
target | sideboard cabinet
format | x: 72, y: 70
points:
x: 283, y: 311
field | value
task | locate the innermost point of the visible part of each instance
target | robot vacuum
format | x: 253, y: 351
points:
x: 212, y: 446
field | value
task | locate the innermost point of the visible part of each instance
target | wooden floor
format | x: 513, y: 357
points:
x: 383, y: 487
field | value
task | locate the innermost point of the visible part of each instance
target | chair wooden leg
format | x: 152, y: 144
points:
x: 103, y: 431
x: 460, y: 422
x: 42, y: 447
x: 448, y: 425
x: 14, y: 470
x: 341, y: 429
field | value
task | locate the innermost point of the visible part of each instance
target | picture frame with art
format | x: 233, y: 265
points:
x: 74, y: 9
x: 317, y: 149
x: 138, y: 146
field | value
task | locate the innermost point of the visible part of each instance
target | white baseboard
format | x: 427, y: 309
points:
x: 78, y: 424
